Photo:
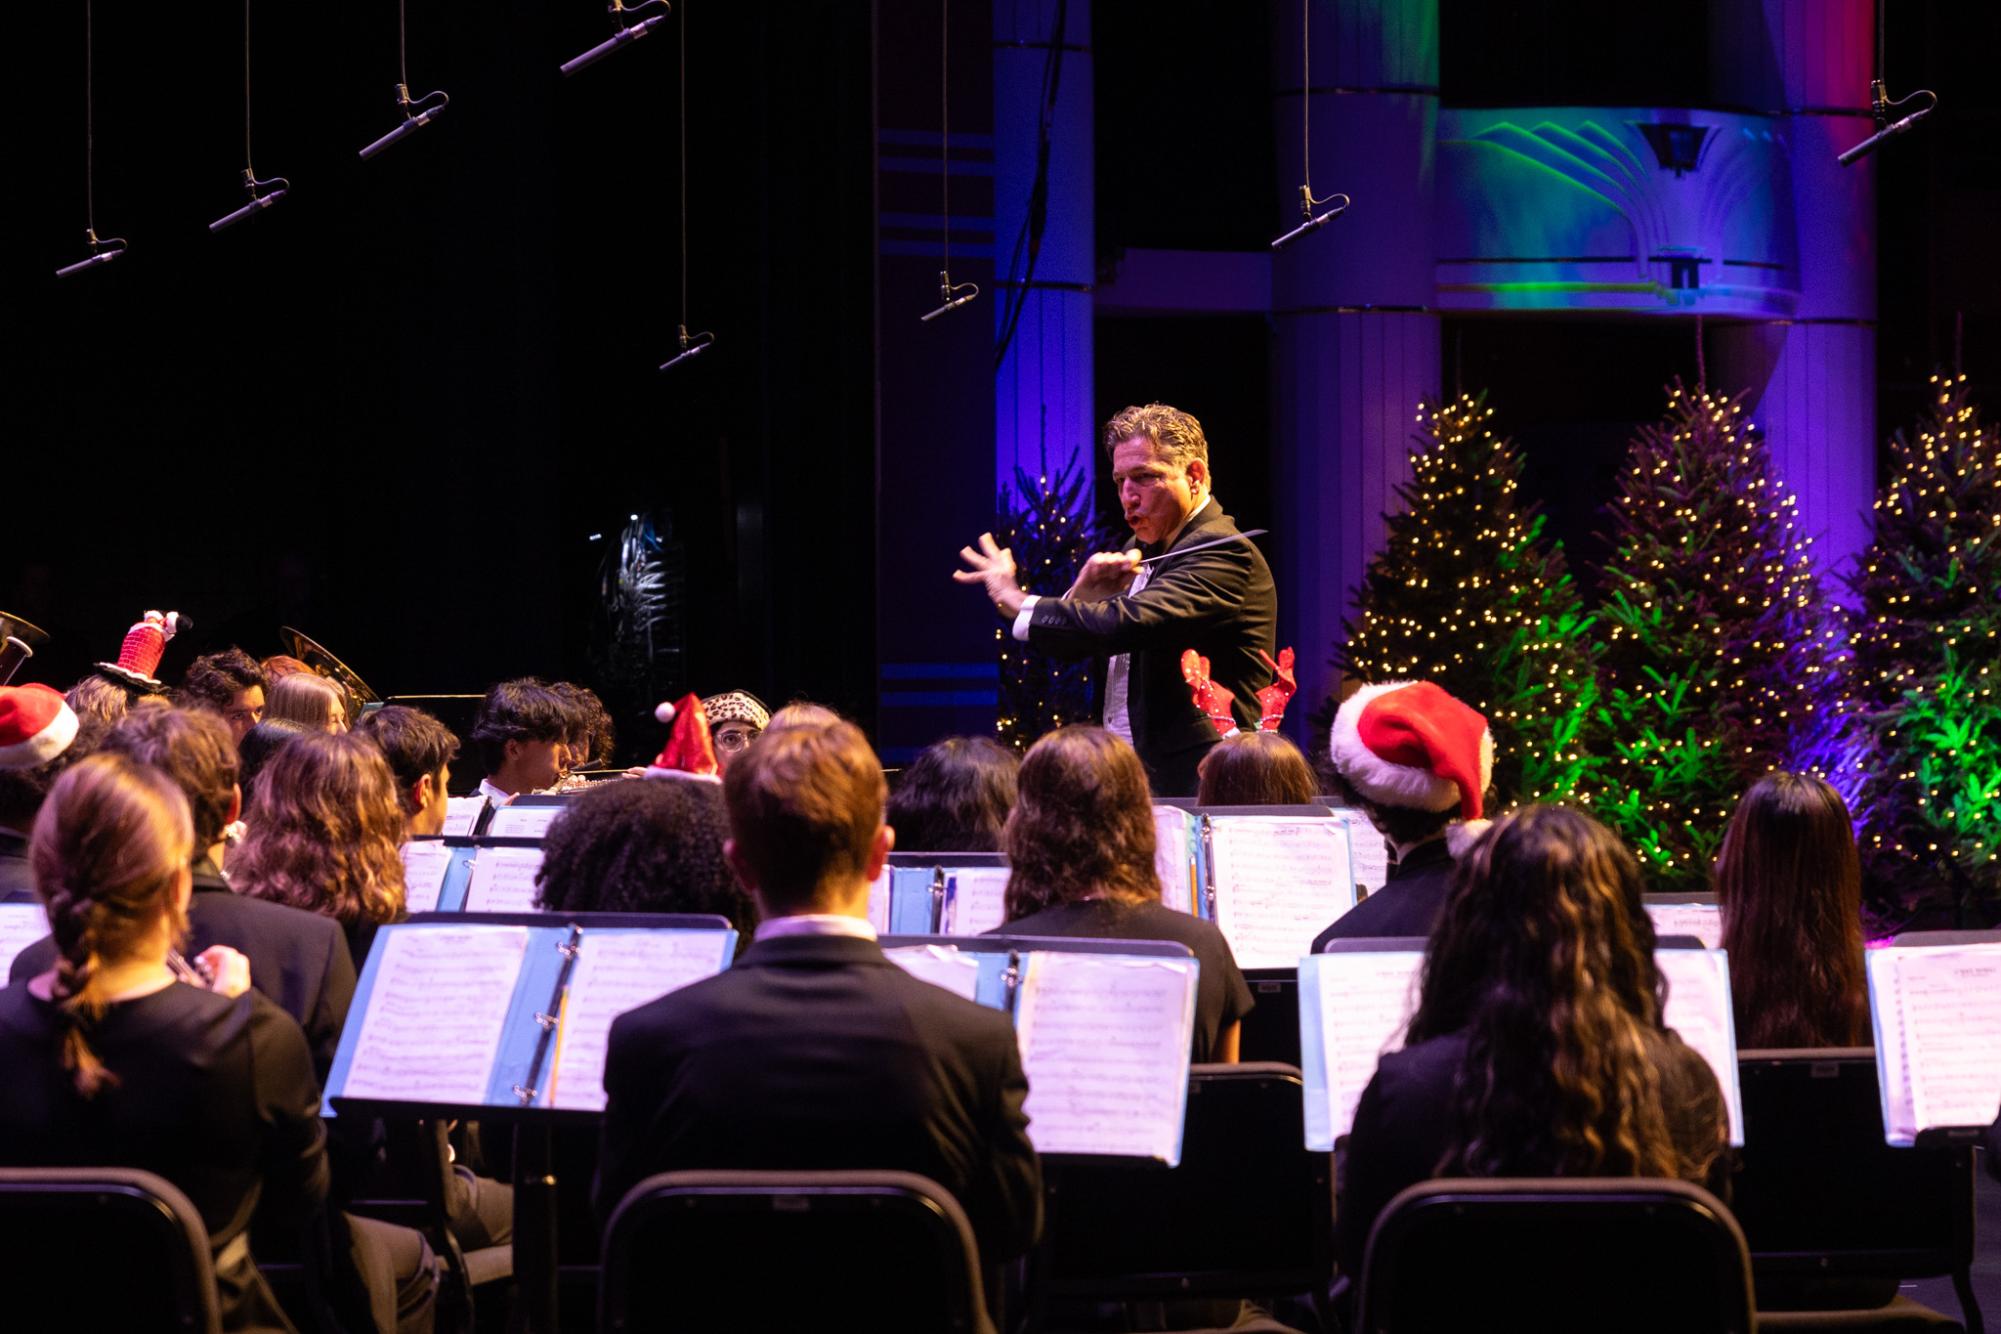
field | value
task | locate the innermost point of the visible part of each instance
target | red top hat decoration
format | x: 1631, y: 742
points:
x: 145, y: 643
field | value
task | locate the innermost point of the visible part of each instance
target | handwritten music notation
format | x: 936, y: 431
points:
x: 1279, y: 881
x: 503, y: 880
x: 436, y: 1014
x: 1105, y: 1044
x: 616, y: 972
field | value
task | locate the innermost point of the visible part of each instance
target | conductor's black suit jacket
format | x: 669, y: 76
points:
x: 817, y: 1053
x: 1219, y: 602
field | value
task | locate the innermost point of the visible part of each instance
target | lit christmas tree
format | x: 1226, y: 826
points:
x: 1926, y: 670
x: 1722, y: 657
x: 1467, y: 594
x: 1050, y: 525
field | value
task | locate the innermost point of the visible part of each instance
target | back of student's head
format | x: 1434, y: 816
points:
x: 1543, y: 957
x: 327, y: 831
x: 641, y: 845
x: 524, y: 709
x: 415, y: 744
x: 214, y: 680
x: 591, y: 737
x: 955, y: 796
x: 805, y: 804
x: 259, y: 744
x: 192, y: 747
x: 99, y: 698
x: 802, y: 713
x: 1082, y: 825
x: 45, y: 738
x: 109, y: 853
x: 309, y: 700
x: 1255, y: 769
x: 1790, y: 886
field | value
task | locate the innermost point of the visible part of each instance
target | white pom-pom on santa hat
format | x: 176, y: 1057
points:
x: 664, y: 711
x: 1411, y: 744
x: 36, y: 725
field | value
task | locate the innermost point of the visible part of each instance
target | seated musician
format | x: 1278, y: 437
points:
x: 1415, y: 759
x: 815, y: 1051
x: 523, y: 732
x: 111, y: 1059
x: 955, y: 796
x: 40, y: 736
x: 229, y: 683
x: 310, y: 700
x: 1538, y: 1047
x: 1080, y: 844
x: 1255, y: 769
x: 420, y: 751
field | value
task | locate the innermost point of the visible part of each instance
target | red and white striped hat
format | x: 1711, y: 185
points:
x: 1410, y: 744
x: 35, y: 726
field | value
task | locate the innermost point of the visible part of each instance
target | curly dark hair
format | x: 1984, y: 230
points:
x: 1544, y: 958
x: 524, y: 709
x: 326, y: 831
x: 592, y: 737
x: 214, y: 680
x: 193, y: 748
x: 1082, y: 825
x: 1790, y: 886
x: 1255, y: 769
x: 955, y: 796
x: 641, y: 845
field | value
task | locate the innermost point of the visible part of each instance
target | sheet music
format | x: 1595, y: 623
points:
x: 436, y: 1013
x: 1704, y: 921
x: 1945, y: 1000
x: 21, y: 925
x: 503, y: 880
x: 975, y: 898
x: 425, y: 861
x: 616, y: 972
x: 1104, y: 1041
x: 1368, y: 850
x: 516, y: 821
x: 941, y: 966
x: 1698, y: 1008
x: 1172, y: 861
x: 1366, y: 1001
x: 878, y: 903
x: 1886, y: 1021
x: 462, y: 815
x: 1279, y: 881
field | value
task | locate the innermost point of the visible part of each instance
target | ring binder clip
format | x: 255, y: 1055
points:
x: 546, y: 1020
x: 569, y: 949
x: 1209, y: 860
x: 527, y: 1095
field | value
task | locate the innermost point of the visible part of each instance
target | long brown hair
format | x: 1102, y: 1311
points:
x: 1544, y: 958
x: 110, y: 853
x: 1790, y: 886
x: 325, y: 830
x: 1082, y: 825
x: 1255, y: 769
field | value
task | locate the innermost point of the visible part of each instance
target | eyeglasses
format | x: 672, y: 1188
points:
x: 736, y: 738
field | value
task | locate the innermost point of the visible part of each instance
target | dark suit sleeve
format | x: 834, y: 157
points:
x: 1365, y: 1188
x: 288, y: 1102
x: 1006, y: 1212
x: 624, y: 1118
x: 1184, y: 598
x: 330, y: 1006
x: 36, y: 959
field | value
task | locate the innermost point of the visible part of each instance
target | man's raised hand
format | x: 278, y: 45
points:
x: 992, y: 566
x: 1105, y: 575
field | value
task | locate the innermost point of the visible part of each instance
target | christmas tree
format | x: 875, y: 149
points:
x: 1052, y: 529
x: 1722, y: 658
x: 1468, y: 595
x: 1926, y: 655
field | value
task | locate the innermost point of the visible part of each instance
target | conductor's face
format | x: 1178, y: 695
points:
x: 1156, y: 495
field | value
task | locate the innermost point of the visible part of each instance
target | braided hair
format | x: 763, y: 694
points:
x: 109, y: 852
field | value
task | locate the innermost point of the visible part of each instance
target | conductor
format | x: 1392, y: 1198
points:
x: 1143, y: 617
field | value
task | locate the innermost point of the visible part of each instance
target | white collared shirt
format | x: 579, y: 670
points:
x: 494, y: 796
x: 815, y: 924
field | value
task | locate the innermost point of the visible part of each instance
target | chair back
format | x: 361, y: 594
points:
x: 1270, y: 1032
x: 107, y: 1248
x: 1819, y: 1190
x: 1247, y: 1213
x: 1560, y: 1256
x: 883, y: 1251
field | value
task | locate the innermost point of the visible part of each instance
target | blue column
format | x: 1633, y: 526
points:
x: 1358, y: 330
x: 1044, y: 411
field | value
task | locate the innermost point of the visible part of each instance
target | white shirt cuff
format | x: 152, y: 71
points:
x: 1024, y: 617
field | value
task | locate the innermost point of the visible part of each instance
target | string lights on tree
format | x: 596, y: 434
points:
x: 1051, y: 527
x: 1928, y: 666
x: 1467, y: 594
x: 1722, y: 658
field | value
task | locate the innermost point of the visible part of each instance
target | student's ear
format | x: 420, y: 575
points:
x: 235, y: 803
x: 879, y: 850
x: 420, y: 794
x: 510, y: 749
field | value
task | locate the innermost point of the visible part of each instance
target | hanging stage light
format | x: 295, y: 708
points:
x: 1880, y: 106
x: 101, y: 251
x: 417, y: 112
x: 1307, y: 203
x: 622, y: 33
x: 262, y: 193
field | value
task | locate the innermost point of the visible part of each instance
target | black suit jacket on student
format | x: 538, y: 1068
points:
x: 1219, y: 602
x: 818, y: 1053
x: 1408, y: 905
x: 298, y: 959
x: 17, y: 881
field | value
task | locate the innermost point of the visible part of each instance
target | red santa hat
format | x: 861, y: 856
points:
x: 1410, y: 744
x: 145, y: 643
x: 689, y: 752
x: 35, y: 726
